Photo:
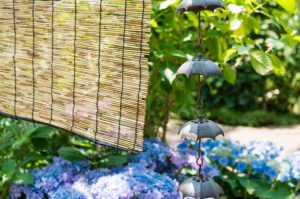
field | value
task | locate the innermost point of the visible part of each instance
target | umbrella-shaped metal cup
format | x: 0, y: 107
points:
x: 199, y: 5
x: 200, y: 187
x: 199, y: 66
x: 200, y: 128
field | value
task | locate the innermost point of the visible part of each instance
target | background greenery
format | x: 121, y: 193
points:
x: 255, y: 42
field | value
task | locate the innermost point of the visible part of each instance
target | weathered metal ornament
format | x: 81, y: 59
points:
x: 200, y: 188
x: 200, y: 128
x: 199, y: 5
x: 199, y: 66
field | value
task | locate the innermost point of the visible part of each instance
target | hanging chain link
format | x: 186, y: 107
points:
x: 200, y: 160
x: 199, y: 30
x: 199, y: 103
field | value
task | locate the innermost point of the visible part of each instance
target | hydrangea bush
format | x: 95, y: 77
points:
x: 256, y: 170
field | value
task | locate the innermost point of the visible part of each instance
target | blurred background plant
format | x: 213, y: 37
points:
x: 255, y: 42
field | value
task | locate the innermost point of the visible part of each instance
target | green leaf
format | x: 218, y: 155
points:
x: 30, y: 129
x: 229, y: 74
x: 178, y: 53
x: 249, y: 185
x: 170, y: 75
x: 228, y: 54
x: 9, y: 166
x: 71, y: 154
x: 261, y: 63
x: 288, y: 5
x: 42, y: 132
x: 232, y: 181
x: 117, y: 160
x: 14, y: 128
x: 165, y: 4
x: 278, y: 192
x: 40, y: 144
x: 31, y: 158
x: 20, y: 142
x: 6, y: 141
x: 24, y: 178
x: 277, y: 65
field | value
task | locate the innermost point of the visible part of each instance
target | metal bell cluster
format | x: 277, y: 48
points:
x: 199, y: 5
x: 199, y: 66
x: 200, y: 128
x: 200, y: 187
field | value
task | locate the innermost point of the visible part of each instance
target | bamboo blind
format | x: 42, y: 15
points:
x: 79, y: 65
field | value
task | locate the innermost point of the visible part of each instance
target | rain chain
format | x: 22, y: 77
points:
x: 200, y: 186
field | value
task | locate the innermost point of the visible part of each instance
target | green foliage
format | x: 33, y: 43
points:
x: 252, y: 118
x: 255, y: 42
x: 24, y: 146
x: 71, y: 154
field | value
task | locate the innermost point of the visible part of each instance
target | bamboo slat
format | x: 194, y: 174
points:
x: 80, y: 65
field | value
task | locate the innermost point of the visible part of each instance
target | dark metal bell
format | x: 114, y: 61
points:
x: 199, y: 66
x: 200, y: 128
x: 200, y: 188
x: 199, y: 5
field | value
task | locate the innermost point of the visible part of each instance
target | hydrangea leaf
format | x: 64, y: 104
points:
x: 9, y: 166
x: 24, y: 178
x: 42, y: 132
x: 278, y: 192
x: 249, y: 185
x: 71, y: 154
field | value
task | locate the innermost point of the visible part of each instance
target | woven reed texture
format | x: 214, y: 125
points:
x: 80, y: 65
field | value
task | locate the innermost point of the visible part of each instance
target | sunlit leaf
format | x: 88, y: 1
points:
x: 178, y: 53
x: 242, y: 50
x: 240, y: 31
x: 235, y: 9
x: 166, y: 4
x: 277, y: 65
x: 170, y: 75
x: 153, y: 23
x: 288, y: 5
x: 274, y: 43
x: 235, y: 24
x: 261, y: 63
x: 229, y: 74
x: 228, y: 54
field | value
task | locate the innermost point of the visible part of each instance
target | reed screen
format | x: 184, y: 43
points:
x: 80, y: 65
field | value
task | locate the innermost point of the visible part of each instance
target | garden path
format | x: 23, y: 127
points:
x: 288, y: 137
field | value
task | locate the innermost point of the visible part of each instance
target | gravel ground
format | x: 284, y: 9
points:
x: 288, y: 137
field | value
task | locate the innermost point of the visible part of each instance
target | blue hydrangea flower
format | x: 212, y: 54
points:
x: 241, y: 166
x: 223, y: 161
x: 258, y: 166
x: 270, y: 172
